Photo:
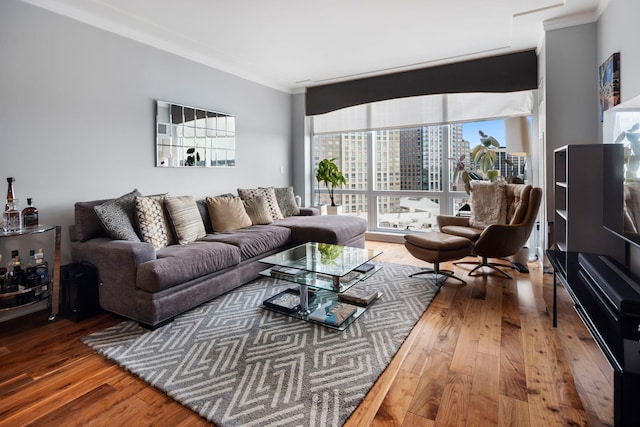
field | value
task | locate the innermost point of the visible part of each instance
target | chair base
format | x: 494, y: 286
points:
x: 438, y: 272
x: 485, y: 263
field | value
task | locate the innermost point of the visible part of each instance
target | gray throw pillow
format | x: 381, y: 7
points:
x: 287, y: 201
x: 118, y: 216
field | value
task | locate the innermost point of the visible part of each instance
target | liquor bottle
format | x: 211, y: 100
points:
x: 3, y: 273
x: 14, y: 272
x: 12, y: 217
x: 32, y: 279
x: 30, y: 214
x: 10, y: 195
x: 42, y: 267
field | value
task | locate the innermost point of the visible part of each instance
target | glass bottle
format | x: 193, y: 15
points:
x: 12, y: 217
x: 32, y: 279
x: 42, y: 267
x: 15, y: 272
x: 30, y: 214
x: 3, y: 272
x: 10, y: 195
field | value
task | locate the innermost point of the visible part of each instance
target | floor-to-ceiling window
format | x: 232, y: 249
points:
x: 401, y: 177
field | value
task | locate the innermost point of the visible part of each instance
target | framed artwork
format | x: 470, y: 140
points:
x: 609, y: 81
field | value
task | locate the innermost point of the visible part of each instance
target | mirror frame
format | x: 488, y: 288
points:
x: 194, y: 137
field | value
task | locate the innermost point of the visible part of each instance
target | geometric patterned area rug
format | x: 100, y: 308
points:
x: 237, y: 364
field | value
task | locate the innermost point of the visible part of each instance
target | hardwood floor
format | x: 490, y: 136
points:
x: 482, y: 354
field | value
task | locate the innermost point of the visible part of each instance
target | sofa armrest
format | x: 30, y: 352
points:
x: 309, y: 212
x: 116, y: 260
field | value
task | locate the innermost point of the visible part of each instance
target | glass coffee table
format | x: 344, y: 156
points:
x: 322, y: 272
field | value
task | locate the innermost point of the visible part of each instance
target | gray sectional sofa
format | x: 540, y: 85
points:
x: 152, y: 285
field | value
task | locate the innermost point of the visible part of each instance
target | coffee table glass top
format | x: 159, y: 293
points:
x: 322, y: 258
x: 322, y: 265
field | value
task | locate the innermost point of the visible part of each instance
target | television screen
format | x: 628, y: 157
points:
x: 621, y: 198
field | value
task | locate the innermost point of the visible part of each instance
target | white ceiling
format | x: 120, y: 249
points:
x: 292, y: 44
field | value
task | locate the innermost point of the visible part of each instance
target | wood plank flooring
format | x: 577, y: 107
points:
x: 483, y: 354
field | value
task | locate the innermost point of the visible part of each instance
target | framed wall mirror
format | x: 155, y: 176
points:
x: 194, y: 137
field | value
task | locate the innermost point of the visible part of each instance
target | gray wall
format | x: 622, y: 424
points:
x: 571, y: 93
x: 77, y: 116
x: 618, y: 31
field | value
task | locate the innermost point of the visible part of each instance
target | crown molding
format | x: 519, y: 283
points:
x: 569, y: 21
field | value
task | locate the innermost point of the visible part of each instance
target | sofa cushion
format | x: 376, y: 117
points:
x: 178, y: 264
x: 118, y: 216
x: 185, y: 218
x: 336, y: 229
x: 253, y: 241
x: 287, y: 201
x: 227, y: 213
x: 270, y: 196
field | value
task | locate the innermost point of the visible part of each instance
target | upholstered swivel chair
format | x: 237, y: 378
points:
x: 499, y: 240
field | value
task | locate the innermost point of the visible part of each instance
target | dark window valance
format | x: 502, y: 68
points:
x: 505, y: 73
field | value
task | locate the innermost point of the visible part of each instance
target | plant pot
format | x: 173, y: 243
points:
x: 322, y: 209
x: 334, y: 210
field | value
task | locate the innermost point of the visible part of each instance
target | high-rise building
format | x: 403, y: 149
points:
x: 409, y: 159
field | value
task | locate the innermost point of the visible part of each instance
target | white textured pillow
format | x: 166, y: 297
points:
x: 287, y: 201
x: 153, y: 223
x: 488, y: 203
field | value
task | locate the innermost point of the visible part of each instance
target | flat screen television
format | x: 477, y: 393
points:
x: 621, y: 183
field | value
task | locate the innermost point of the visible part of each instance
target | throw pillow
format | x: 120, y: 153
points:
x: 488, y: 203
x: 287, y: 201
x: 186, y: 219
x: 258, y: 210
x: 270, y: 196
x: 153, y: 223
x: 227, y: 213
x: 118, y: 216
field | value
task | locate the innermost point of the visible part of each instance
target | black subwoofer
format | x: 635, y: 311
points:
x: 79, y: 291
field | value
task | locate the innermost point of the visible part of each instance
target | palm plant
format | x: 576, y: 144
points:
x: 329, y: 174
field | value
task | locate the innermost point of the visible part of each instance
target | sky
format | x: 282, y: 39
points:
x: 494, y: 128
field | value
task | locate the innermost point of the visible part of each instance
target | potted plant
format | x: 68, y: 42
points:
x: 329, y: 174
x: 192, y: 158
x: 484, y: 156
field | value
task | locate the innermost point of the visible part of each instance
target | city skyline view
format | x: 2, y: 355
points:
x: 414, y: 159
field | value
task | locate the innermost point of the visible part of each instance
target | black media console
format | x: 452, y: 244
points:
x: 607, y: 298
